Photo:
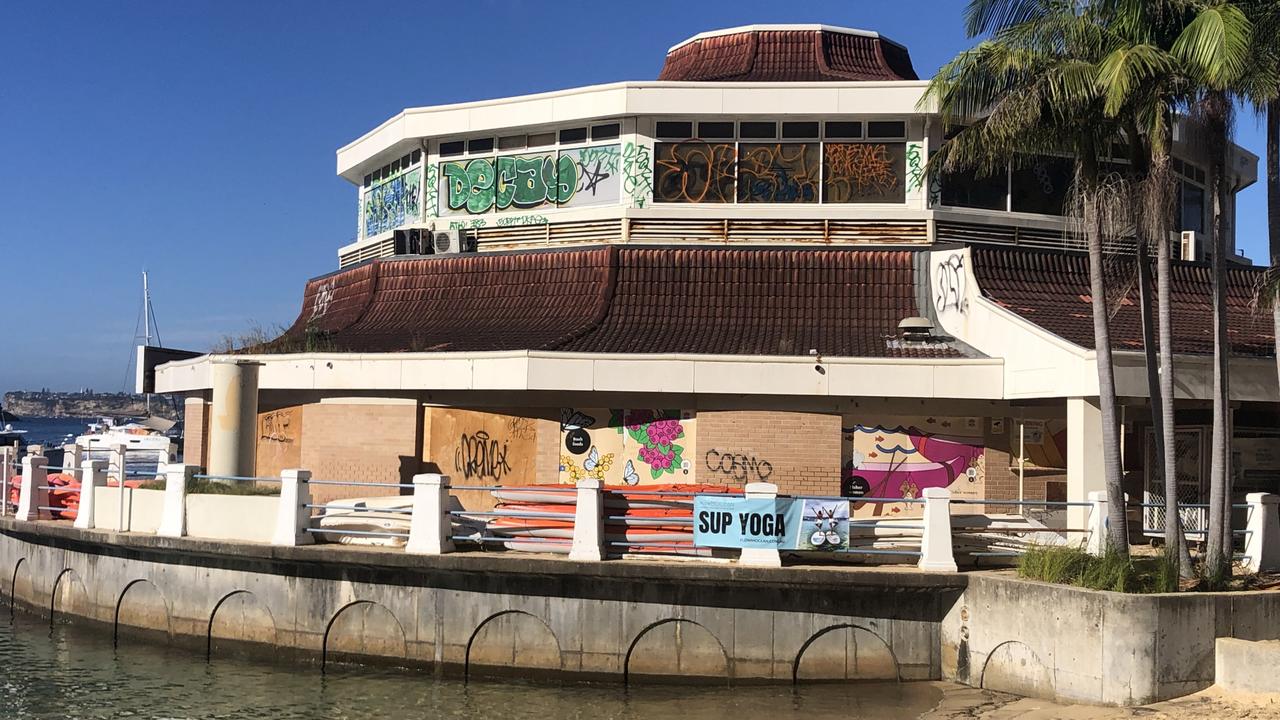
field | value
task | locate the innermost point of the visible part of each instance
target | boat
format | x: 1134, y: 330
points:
x: 144, y: 440
x: 9, y: 435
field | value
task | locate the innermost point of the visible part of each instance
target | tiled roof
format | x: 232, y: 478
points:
x: 1051, y: 289
x: 619, y: 300
x: 808, y: 55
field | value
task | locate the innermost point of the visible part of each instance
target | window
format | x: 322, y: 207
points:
x: 1190, y: 207
x: 778, y: 172
x: 455, y: 147
x: 758, y: 130
x: 844, y: 130
x: 480, y: 145
x: 573, y: 135
x: 864, y: 172
x: 674, y: 130
x: 893, y: 129
x: 605, y: 132
x: 969, y: 189
x: 542, y: 139
x: 512, y: 142
x: 799, y: 130
x: 1040, y: 185
x: 715, y: 130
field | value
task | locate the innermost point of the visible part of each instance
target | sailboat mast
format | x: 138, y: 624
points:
x: 146, y: 324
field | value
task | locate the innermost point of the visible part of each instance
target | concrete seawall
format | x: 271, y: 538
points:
x: 487, y: 612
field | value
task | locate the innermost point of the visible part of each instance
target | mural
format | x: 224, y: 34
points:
x: 627, y: 447
x: 392, y: 202
x: 864, y: 173
x: 778, y: 172
x: 570, y: 178
x: 894, y: 457
x: 694, y: 171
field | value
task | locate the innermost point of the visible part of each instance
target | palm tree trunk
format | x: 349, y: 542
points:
x: 1273, y: 209
x: 1117, y: 520
x: 1218, y: 553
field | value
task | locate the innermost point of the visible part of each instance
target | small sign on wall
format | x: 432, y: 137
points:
x: 997, y: 426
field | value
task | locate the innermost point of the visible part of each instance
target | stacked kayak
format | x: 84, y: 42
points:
x: 647, y: 519
x: 64, y: 493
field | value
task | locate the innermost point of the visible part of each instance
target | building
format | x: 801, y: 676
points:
x: 737, y: 272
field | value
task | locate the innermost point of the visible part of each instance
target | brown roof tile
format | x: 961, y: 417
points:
x: 809, y: 55
x: 619, y: 300
x: 1051, y: 289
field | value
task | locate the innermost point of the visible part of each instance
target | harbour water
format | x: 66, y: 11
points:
x: 73, y: 671
x: 50, y: 431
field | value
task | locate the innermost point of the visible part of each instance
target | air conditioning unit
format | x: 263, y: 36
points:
x: 452, y: 242
x: 412, y: 241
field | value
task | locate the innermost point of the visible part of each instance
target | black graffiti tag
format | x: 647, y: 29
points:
x: 479, y: 456
x: 738, y: 466
x: 951, y: 285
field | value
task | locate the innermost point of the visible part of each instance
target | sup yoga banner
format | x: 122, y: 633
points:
x: 782, y: 523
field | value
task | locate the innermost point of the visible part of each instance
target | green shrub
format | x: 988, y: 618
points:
x: 1111, y: 571
x: 211, y: 487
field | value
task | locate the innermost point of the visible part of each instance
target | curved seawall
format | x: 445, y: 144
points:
x: 486, y: 613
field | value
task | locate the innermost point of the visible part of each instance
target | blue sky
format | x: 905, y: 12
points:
x: 196, y: 140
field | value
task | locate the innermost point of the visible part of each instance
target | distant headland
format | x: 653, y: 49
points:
x: 85, y: 403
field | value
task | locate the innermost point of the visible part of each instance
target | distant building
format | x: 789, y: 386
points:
x: 737, y: 272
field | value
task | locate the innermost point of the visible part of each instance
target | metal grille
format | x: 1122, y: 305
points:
x: 1188, y: 449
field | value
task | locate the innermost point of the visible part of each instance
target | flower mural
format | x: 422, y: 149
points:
x: 635, y: 446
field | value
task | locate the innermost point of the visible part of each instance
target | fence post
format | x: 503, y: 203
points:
x: 120, y: 456
x: 936, y: 552
x: 293, y: 516
x: 430, y: 526
x: 588, y: 522
x: 93, y: 475
x: 1097, y: 542
x: 173, y: 518
x: 1262, y: 538
x: 760, y: 557
x: 7, y: 467
x: 72, y: 457
x: 31, y: 496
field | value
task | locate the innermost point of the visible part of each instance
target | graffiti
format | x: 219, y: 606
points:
x: 324, y: 296
x: 637, y: 173
x: 391, y: 203
x: 778, y: 172
x: 521, y: 428
x: 275, y: 427
x: 915, y: 166
x: 431, y: 191
x: 863, y: 172
x: 480, y: 457
x: 466, y: 224
x: 694, y: 171
x: 582, y: 176
x: 523, y: 220
x: 951, y: 285
x: 740, y: 467
x: 903, y: 458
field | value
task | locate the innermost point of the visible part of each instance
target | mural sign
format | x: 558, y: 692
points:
x: 392, y: 202
x: 782, y: 523
x: 568, y: 178
x: 627, y: 447
x: 900, y: 457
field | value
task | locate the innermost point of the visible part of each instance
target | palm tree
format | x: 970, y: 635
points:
x: 1030, y: 89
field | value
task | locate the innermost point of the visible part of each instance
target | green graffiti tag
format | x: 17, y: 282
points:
x: 600, y: 159
x: 529, y: 181
x: 523, y: 220
x: 581, y: 176
x: 915, y: 166
x: 637, y: 173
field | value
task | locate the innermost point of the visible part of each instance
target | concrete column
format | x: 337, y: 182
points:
x: 1096, y: 544
x: 430, y: 528
x: 72, y: 459
x: 1085, y: 471
x: 173, y: 517
x: 31, y: 496
x: 936, y: 552
x: 760, y: 557
x: 588, y: 522
x: 293, y: 516
x: 234, y: 421
x: 1262, y: 538
x: 93, y: 475
x: 120, y: 461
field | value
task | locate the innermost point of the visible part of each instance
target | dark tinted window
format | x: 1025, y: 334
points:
x: 417, y: 155
x: 605, y: 132
x: 715, y: 130
x: 511, y: 142
x: 800, y: 129
x: 452, y: 148
x: 480, y: 145
x: 844, y: 130
x: 671, y: 129
x: 573, y: 135
x: 886, y: 129
x: 765, y: 130
x: 540, y: 139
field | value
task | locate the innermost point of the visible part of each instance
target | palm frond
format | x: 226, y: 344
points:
x: 1217, y: 44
